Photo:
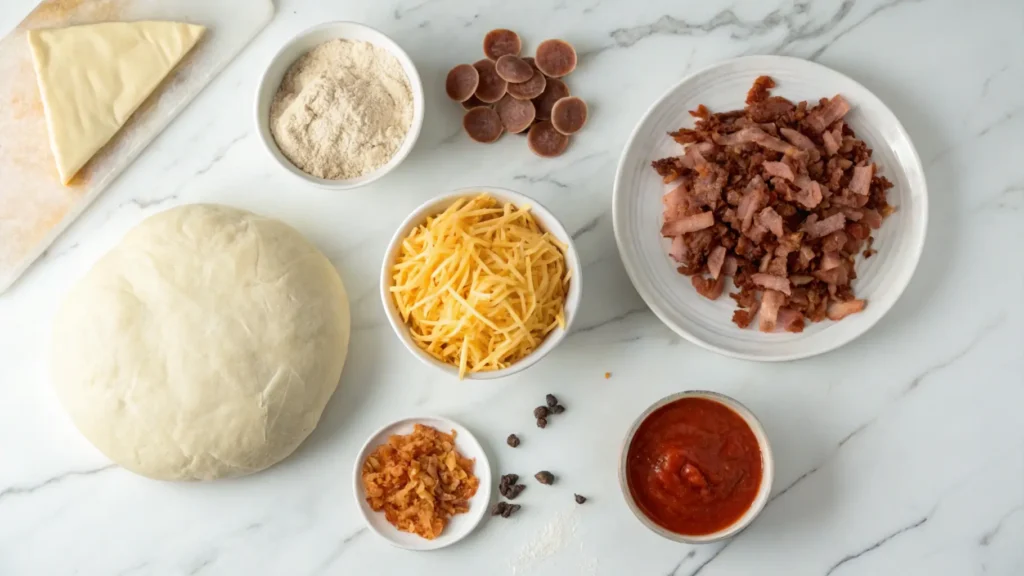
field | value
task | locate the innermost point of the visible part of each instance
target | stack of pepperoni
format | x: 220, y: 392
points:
x: 504, y: 92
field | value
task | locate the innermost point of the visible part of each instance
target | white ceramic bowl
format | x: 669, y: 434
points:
x: 460, y: 525
x: 767, y: 469
x: 637, y: 209
x: 300, y: 45
x: 437, y: 205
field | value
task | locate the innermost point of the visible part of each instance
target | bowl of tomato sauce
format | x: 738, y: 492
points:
x: 696, y: 467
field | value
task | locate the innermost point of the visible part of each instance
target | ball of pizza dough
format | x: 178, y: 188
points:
x: 205, y: 345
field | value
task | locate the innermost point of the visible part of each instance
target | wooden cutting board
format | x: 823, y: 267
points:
x: 34, y: 206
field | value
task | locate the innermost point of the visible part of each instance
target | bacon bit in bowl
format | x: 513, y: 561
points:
x: 781, y: 197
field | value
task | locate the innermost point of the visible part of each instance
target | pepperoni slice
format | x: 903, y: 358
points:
x: 553, y: 92
x: 568, y: 115
x: 530, y: 89
x: 482, y: 124
x: 473, y: 102
x: 500, y: 42
x: 516, y: 115
x: 491, y: 87
x: 555, y: 58
x: 513, y: 68
x: 462, y: 82
x: 545, y: 141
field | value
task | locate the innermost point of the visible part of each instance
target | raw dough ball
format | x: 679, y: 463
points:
x: 205, y: 345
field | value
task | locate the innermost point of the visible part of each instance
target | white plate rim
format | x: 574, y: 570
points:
x: 479, y: 503
x: 765, y: 62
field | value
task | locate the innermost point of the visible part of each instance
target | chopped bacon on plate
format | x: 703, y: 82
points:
x: 779, y: 197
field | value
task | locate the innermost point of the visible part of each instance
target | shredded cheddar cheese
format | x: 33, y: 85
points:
x: 481, y: 284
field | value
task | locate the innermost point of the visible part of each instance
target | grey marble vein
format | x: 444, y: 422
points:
x: 689, y: 555
x: 58, y: 479
x: 144, y: 203
x: 589, y: 226
x: 977, y: 339
x: 988, y: 536
x: 988, y: 80
x: 339, y: 548
x: 218, y: 156
x: 876, y: 545
x: 1009, y: 199
x: 718, y: 552
x: 541, y: 179
x: 871, y: 14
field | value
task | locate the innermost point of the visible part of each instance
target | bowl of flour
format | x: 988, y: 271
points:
x: 340, y: 105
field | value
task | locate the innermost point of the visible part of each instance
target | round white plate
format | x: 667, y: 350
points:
x: 460, y: 525
x: 637, y: 209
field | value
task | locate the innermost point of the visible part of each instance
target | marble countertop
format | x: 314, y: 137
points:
x: 901, y: 453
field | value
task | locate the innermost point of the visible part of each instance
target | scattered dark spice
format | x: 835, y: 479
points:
x: 540, y: 412
x: 499, y: 508
x: 506, y: 512
x: 551, y: 400
x: 545, y: 477
x: 513, y: 440
x: 542, y: 422
x: 579, y: 499
x: 513, y: 492
x: 512, y: 509
x: 558, y: 409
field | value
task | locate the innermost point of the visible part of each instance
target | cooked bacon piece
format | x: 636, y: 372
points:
x: 770, y: 109
x: 708, y: 287
x: 809, y: 193
x: 730, y: 266
x: 746, y: 179
x: 770, y: 304
x: 840, y: 310
x: 678, y: 250
x: 797, y: 139
x: 822, y: 116
x: 817, y: 229
x: 688, y: 224
x: 861, y: 181
x: 772, y: 282
x: 771, y: 220
x: 744, y: 316
x: 831, y: 260
x: 790, y: 320
x: 760, y: 90
x: 716, y: 260
x: 779, y: 169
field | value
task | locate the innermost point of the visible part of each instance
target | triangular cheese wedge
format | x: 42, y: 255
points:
x: 93, y: 77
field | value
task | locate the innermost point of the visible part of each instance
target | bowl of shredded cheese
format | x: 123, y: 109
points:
x: 481, y: 282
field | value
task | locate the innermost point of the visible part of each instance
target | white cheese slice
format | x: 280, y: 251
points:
x: 93, y: 77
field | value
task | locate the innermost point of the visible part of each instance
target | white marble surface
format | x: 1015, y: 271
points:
x: 901, y: 453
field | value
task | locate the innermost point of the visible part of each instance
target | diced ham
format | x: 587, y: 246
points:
x: 860, y: 183
x: 766, y: 261
x: 825, y: 227
x: 840, y: 310
x: 831, y: 144
x: 756, y: 136
x: 824, y: 115
x: 834, y: 242
x: 772, y: 282
x: 771, y: 220
x: 800, y: 279
x: 707, y: 187
x: 797, y: 139
x: 676, y: 202
x: 779, y: 169
x: 692, y: 158
x: 688, y: 224
x: 770, y: 304
x: 835, y: 277
x: 708, y: 287
x: 872, y: 218
x: 716, y: 260
x: 831, y: 260
x: 790, y: 320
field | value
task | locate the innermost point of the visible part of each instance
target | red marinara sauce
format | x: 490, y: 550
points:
x: 694, y: 466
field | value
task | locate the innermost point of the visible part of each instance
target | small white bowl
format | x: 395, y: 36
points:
x: 437, y: 205
x: 767, y: 470
x: 300, y: 45
x: 460, y: 525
